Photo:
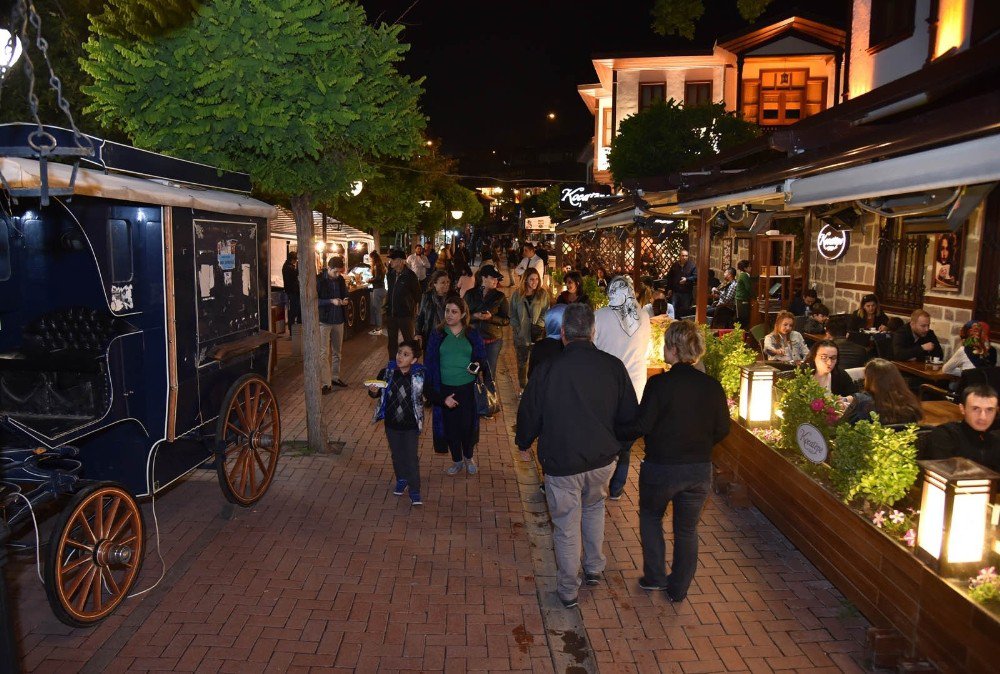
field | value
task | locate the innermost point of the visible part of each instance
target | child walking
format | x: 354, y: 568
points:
x: 402, y: 408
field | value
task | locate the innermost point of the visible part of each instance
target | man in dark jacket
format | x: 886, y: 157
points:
x: 916, y: 340
x: 572, y: 405
x: 681, y: 280
x: 332, y: 291
x: 401, y: 300
x: 850, y: 355
x: 290, y: 280
x: 970, y: 438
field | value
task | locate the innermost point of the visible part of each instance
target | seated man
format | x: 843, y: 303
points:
x: 916, y: 340
x: 970, y: 438
x: 816, y: 321
x: 802, y: 305
x: 851, y: 354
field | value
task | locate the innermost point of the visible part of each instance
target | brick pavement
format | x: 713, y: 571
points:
x: 330, y: 572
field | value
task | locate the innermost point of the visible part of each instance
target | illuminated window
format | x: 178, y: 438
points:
x: 697, y: 93
x: 781, y: 97
x: 899, y: 267
x: 891, y: 21
x: 606, y: 127
x: 651, y: 94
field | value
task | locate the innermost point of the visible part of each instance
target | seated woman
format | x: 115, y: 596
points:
x: 823, y: 359
x: 975, y: 350
x: 869, y: 316
x: 784, y: 344
x: 574, y: 289
x: 885, y: 394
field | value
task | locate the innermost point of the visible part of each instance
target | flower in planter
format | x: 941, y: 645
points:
x: 879, y: 519
x: 910, y: 538
x: 817, y: 405
x: 986, y: 586
x: 897, y: 517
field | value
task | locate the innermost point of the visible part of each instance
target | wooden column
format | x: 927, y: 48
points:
x: 704, y: 250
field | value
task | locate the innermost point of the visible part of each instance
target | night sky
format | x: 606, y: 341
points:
x: 496, y: 69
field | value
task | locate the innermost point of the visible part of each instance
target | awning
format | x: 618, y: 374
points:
x: 759, y: 195
x: 620, y: 213
x: 283, y: 224
x: 968, y: 163
x: 26, y: 174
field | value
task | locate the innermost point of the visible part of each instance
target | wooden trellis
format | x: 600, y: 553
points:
x: 639, y: 253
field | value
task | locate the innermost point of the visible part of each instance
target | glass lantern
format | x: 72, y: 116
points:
x: 756, y: 395
x: 954, y: 513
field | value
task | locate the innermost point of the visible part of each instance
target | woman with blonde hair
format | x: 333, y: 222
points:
x: 885, y: 394
x: 528, y: 305
x: 785, y: 344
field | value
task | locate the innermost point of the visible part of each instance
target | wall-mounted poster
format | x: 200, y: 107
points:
x: 948, y: 249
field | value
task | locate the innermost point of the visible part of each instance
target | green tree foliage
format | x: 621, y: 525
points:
x: 544, y: 203
x: 875, y: 463
x: 678, y: 17
x: 144, y: 19
x: 669, y: 137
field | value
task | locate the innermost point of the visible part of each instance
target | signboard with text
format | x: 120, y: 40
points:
x: 579, y: 197
x: 539, y: 224
x: 833, y: 243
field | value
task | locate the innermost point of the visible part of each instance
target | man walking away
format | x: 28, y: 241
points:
x: 290, y: 279
x: 572, y: 405
x: 401, y: 301
x: 332, y: 291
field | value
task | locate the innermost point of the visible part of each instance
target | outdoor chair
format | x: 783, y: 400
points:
x: 759, y: 332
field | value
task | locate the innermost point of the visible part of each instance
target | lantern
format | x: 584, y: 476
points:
x: 756, y: 394
x: 951, y: 534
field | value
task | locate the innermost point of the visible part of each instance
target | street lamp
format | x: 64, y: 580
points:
x: 356, y: 188
x: 10, y: 51
x: 457, y: 215
x: 951, y: 532
x: 552, y: 116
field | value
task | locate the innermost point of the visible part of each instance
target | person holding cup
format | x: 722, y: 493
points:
x: 916, y: 340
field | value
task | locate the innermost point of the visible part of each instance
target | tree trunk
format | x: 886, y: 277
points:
x: 315, y: 428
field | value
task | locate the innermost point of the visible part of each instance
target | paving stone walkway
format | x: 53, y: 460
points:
x: 332, y: 573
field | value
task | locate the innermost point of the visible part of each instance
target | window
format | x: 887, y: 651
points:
x: 782, y: 97
x: 899, y: 268
x: 5, y: 265
x: 120, y: 250
x: 606, y: 130
x: 891, y: 21
x: 651, y: 94
x: 987, y: 304
x: 697, y: 93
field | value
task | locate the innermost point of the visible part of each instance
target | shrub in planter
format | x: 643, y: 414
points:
x: 985, y: 588
x: 874, y: 463
x: 724, y: 356
x: 657, y: 330
x: 598, y: 298
x: 804, y: 401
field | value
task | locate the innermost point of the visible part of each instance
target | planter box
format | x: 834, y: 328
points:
x: 890, y: 586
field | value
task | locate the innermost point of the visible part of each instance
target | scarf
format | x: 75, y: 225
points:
x: 627, y: 308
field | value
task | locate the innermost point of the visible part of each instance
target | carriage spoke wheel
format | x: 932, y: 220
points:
x: 249, y: 437
x: 94, y: 555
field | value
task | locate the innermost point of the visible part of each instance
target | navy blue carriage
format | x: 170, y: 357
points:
x: 134, y: 348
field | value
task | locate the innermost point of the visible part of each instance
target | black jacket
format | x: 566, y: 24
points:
x: 682, y: 417
x: 541, y: 351
x: 677, y: 271
x: 494, y: 302
x: 850, y: 354
x: 960, y: 439
x: 290, y: 278
x: 331, y: 288
x: 402, y: 294
x: 572, y: 405
x: 905, y: 347
x: 431, y: 313
x: 859, y: 323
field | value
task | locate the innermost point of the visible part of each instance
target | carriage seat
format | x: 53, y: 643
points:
x: 59, y: 376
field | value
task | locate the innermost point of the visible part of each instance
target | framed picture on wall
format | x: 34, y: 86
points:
x: 948, y: 253
x: 727, y: 253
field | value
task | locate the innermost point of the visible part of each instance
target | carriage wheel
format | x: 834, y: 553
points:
x: 95, y: 552
x: 349, y: 313
x: 249, y: 440
x: 362, y: 309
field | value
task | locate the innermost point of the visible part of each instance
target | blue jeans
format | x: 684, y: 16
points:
x: 493, y: 355
x: 617, y: 484
x: 685, y: 485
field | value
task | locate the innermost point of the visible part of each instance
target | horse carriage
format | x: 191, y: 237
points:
x: 134, y: 348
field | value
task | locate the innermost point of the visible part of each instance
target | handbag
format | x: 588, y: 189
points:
x: 485, y: 390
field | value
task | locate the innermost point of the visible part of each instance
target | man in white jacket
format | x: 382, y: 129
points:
x: 623, y: 330
x: 530, y: 259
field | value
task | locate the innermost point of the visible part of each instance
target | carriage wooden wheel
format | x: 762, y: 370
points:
x: 249, y: 440
x: 95, y: 552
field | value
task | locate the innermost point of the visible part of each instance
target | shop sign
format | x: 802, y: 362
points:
x: 811, y: 443
x: 580, y: 197
x: 833, y: 243
x: 539, y: 224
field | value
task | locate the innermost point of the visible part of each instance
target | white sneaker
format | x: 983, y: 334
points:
x: 470, y: 466
x: 455, y: 468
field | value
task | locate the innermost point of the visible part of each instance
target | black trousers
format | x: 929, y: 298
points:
x: 394, y: 326
x: 405, y: 461
x: 294, y: 310
x: 460, y: 423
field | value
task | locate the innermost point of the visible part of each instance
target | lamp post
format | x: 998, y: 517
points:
x: 756, y: 395
x: 951, y: 533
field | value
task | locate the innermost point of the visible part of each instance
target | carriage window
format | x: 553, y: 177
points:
x: 4, y: 252
x: 120, y: 250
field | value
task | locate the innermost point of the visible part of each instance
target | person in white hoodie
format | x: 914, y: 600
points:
x: 530, y: 259
x: 623, y: 330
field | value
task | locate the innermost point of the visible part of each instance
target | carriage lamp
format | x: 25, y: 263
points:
x: 356, y: 187
x: 954, y: 504
x: 457, y: 215
x: 756, y: 395
x: 10, y: 51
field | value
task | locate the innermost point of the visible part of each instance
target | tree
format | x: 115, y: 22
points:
x: 544, y: 203
x: 669, y: 137
x: 678, y: 17
x: 302, y: 94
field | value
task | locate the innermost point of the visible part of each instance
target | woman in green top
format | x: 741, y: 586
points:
x: 744, y: 291
x: 455, y: 353
x: 527, y: 318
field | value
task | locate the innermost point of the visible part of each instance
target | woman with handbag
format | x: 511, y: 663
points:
x: 455, y: 355
x: 528, y: 305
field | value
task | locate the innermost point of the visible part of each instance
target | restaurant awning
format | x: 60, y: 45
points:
x: 760, y: 195
x: 630, y: 210
x: 968, y: 163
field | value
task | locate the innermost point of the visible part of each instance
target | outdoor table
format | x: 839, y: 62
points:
x: 916, y: 368
x: 937, y: 412
x: 814, y: 337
